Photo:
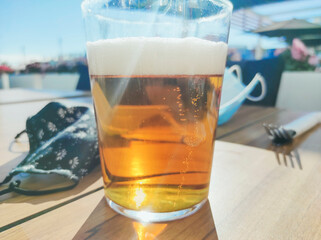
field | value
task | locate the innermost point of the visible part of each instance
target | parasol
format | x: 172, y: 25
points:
x: 290, y: 29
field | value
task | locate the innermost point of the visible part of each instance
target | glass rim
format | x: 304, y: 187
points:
x: 89, y: 8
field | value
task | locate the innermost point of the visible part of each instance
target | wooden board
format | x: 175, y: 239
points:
x: 251, y: 197
x: 12, y: 121
x: 18, y: 209
x: 255, y: 198
x: 17, y: 95
x: 62, y: 223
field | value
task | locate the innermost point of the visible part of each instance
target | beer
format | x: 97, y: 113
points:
x: 156, y: 116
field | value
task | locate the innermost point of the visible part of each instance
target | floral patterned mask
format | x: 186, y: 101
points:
x: 62, y: 141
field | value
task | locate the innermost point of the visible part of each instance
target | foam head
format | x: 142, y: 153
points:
x: 156, y: 56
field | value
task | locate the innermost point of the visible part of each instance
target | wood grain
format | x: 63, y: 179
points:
x: 251, y: 197
x: 62, y: 223
x: 255, y: 198
x: 16, y: 95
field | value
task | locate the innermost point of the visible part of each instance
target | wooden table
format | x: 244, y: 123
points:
x: 252, y: 196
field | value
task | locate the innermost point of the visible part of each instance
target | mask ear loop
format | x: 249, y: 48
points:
x: 14, y: 187
x: 16, y: 139
x: 258, y: 77
x: 11, y: 186
x: 245, y: 91
x: 19, y: 134
x: 238, y: 72
x: 7, y: 179
x: 7, y: 190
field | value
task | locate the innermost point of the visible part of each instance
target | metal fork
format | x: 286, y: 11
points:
x: 281, y: 135
x: 278, y: 135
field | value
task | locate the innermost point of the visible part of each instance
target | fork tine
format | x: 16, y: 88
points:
x: 272, y: 133
x: 297, y: 156
x: 275, y: 131
x: 277, y: 157
x: 284, y: 159
x: 267, y: 129
x: 290, y: 156
x: 285, y: 133
x: 280, y: 134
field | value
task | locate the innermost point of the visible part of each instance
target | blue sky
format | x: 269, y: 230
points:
x: 37, y: 26
x: 41, y: 29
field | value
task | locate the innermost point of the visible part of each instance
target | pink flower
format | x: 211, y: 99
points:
x: 298, y: 50
x: 313, y: 60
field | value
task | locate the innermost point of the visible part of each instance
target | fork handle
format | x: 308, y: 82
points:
x: 304, y: 123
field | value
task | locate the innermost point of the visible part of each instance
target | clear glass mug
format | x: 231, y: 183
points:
x: 156, y: 70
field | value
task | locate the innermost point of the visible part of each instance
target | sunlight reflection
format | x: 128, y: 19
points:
x: 139, y: 197
x: 148, y: 231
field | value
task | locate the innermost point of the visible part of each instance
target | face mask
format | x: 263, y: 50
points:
x: 234, y: 92
x: 63, y: 141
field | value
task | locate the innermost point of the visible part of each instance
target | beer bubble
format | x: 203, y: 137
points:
x: 195, y: 136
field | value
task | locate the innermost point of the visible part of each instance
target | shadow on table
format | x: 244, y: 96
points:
x: 104, y: 223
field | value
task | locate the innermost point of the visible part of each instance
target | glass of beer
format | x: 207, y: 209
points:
x: 156, y: 69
